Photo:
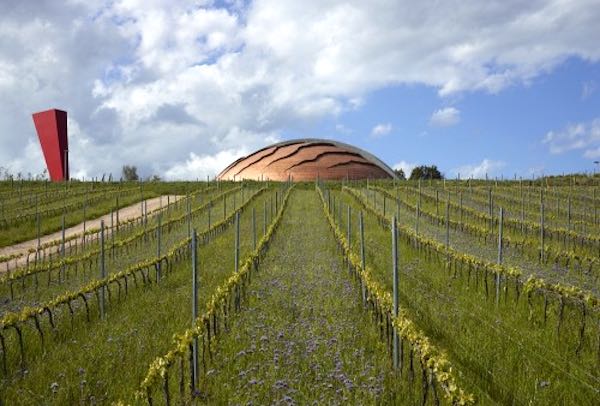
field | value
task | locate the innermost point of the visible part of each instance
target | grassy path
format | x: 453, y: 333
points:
x: 303, y: 336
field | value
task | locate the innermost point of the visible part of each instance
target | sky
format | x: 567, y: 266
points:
x: 182, y: 88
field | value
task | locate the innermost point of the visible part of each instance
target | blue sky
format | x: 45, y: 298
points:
x: 181, y: 88
x: 507, y: 127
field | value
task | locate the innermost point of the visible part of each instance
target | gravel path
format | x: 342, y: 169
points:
x: 125, y: 213
x: 303, y: 336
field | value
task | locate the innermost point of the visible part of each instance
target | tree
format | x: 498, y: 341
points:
x: 130, y: 173
x: 400, y: 174
x: 426, y: 172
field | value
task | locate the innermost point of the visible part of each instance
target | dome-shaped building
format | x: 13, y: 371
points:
x: 307, y: 159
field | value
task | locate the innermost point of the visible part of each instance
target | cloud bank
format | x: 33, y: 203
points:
x: 583, y: 137
x: 487, y: 167
x: 177, y: 88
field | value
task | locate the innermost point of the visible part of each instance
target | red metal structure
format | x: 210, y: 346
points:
x: 51, y: 127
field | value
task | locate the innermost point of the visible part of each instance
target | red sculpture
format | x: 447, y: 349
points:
x: 51, y: 127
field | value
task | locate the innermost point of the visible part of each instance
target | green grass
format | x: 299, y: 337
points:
x: 24, y: 231
x: 505, y: 354
x: 464, y: 241
x: 302, y: 336
x: 26, y: 294
x: 137, y: 329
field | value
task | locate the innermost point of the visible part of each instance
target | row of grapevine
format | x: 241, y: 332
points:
x: 94, y: 234
x: 119, y: 281
x: 206, y: 327
x: 568, y: 294
x: 560, y: 322
x: 433, y: 360
x: 114, y: 248
x: 523, y: 226
x: 568, y: 258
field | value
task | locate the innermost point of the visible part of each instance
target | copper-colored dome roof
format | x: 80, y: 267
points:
x: 307, y: 159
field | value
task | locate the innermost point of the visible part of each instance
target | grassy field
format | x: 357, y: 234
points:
x: 306, y: 315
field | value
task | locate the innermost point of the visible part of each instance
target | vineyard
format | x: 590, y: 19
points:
x: 356, y: 292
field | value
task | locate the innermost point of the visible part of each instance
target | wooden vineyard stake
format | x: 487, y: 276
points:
x: 194, y: 311
x: 569, y: 213
x: 189, y: 216
x: 117, y: 213
x: 349, y: 234
x: 522, y: 206
x: 500, y: 232
x: 362, y: 254
x: 37, y: 226
x: 419, y: 202
x: 437, y: 206
x: 384, y: 206
x: 448, y: 221
x: 265, y: 218
x: 84, y: 220
x: 102, y: 270
x: 461, y: 208
x: 490, y: 210
x: 209, y: 210
x: 158, y: 264
x: 395, y: 290
x: 237, y: 241
x: 112, y: 235
x: 542, y: 234
x: 417, y: 215
x: 62, y: 249
x: 254, y: 228
x: 595, y: 208
x: 143, y: 219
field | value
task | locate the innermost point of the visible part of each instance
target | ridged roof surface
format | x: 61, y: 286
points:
x: 307, y: 159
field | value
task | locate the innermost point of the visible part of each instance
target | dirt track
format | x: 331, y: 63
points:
x: 124, y: 214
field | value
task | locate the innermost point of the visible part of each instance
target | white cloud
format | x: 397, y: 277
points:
x: 149, y: 82
x: 593, y: 153
x: 580, y: 136
x: 445, y: 117
x: 478, y: 171
x: 407, y: 167
x: 202, y: 166
x: 342, y: 129
x: 381, y: 130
